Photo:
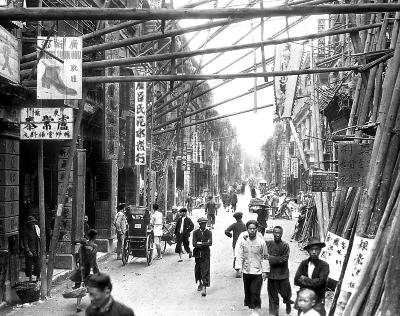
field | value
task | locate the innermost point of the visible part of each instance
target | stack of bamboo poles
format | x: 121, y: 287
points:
x: 375, y: 209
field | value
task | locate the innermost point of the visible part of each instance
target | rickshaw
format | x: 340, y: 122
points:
x: 168, y: 236
x: 139, y: 236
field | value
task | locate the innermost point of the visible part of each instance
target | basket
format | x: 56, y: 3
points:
x: 75, y: 293
x: 28, y: 291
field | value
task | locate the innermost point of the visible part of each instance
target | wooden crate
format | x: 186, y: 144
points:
x: 9, y: 225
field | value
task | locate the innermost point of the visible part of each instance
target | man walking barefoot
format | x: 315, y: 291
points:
x: 252, y: 258
x: 278, y: 277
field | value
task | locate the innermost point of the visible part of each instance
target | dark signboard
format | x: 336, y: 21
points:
x: 323, y: 182
x: 353, y: 164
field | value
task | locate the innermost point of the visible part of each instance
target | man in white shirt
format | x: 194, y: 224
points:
x: 157, y: 224
x: 120, y: 227
x: 252, y: 257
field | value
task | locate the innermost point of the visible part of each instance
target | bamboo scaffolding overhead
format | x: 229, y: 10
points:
x: 212, y: 119
x: 50, y: 14
x: 159, y: 57
x: 206, y: 108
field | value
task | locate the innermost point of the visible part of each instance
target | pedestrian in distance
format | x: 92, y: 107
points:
x: 252, y: 257
x: 234, y: 201
x: 313, y: 274
x: 31, y: 241
x: 157, y: 224
x: 210, y: 211
x: 306, y: 301
x: 234, y: 230
x: 101, y: 301
x: 278, y: 277
x: 202, y: 241
x: 120, y: 224
x: 189, y: 204
x: 183, y: 228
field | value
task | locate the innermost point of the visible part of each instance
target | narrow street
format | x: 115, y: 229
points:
x: 167, y: 287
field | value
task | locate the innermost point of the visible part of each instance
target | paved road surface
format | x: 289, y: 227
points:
x: 167, y: 287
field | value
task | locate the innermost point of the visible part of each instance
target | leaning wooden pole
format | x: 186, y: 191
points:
x: 63, y: 191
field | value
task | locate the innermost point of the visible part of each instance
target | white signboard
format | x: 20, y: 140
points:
x: 9, y: 61
x: 60, y: 78
x: 334, y: 254
x: 47, y: 123
x: 140, y: 123
x: 294, y: 168
x: 359, y: 255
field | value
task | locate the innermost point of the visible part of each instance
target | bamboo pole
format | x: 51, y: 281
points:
x: 357, y: 299
x: 211, y: 119
x: 382, y: 138
x: 74, y: 13
x: 206, y: 108
x: 42, y: 222
x: 298, y: 144
x: 63, y: 191
x: 159, y: 57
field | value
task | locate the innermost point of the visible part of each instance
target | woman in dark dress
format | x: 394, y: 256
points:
x: 202, y: 240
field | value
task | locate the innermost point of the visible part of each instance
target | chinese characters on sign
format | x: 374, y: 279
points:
x: 321, y: 40
x: 9, y: 60
x: 323, y: 182
x: 334, y: 253
x: 353, y: 164
x: 60, y: 78
x: 359, y: 255
x: 46, y: 123
x: 294, y: 167
x: 140, y: 123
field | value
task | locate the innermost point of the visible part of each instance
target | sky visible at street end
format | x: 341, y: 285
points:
x: 253, y: 128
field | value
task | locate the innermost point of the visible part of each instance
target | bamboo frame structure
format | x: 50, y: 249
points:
x: 50, y: 14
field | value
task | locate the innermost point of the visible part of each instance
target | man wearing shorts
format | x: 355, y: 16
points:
x: 157, y: 224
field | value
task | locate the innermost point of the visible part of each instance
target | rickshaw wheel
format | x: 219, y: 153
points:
x: 125, y: 252
x: 163, y: 246
x: 149, y: 249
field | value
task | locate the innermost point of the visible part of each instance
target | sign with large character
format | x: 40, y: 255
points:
x: 140, y: 122
x: 334, y: 253
x: 59, y: 70
x: 47, y: 123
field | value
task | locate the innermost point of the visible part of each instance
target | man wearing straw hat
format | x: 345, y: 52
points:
x: 202, y: 240
x: 313, y: 273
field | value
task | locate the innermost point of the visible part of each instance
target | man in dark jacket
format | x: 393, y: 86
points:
x: 31, y: 240
x: 210, y: 210
x: 101, y: 301
x: 202, y: 240
x: 278, y: 277
x: 183, y: 228
x: 313, y: 273
x: 234, y: 201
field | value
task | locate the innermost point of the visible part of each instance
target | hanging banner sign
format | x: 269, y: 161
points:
x: 359, y: 255
x: 323, y: 182
x: 60, y: 77
x: 353, y: 164
x: 334, y: 253
x: 140, y: 123
x: 47, y: 123
x: 287, y: 57
x: 9, y: 59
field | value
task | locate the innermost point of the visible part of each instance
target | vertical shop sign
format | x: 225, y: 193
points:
x: 359, y: 255
x: 334, y: 253
x: 60, y: 77
x: 321, y: 40
x: 294, y: 167
x: 140, y: 123
x: 9, y: 59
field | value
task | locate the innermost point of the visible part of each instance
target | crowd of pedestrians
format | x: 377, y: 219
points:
x: 256, y: 260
